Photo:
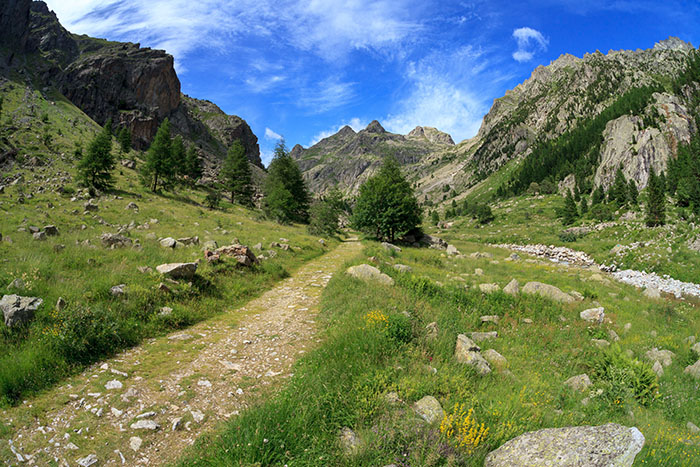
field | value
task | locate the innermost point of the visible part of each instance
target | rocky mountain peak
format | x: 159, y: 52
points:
x: 673, y: 43
x: 375, y: 127
x: 431, y: 134
x: 346, y: 131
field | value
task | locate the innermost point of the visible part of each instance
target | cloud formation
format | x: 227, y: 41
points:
x: 269, y: 134
x: 529, y: 41
x: 356, y: 124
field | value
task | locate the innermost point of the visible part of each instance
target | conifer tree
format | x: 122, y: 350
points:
x: 108, y: 127
x: 286, y: 195
x: 178, y: 157
x: 435, y: 217
x: 96, y: 166
x: 236, y: 174
x: 656, y: 201
x: 598, y: 196
x: 584, y: 205
x: 570, y: 212
x: 124, y: 139
x: 619, y: 189
x: 193, y: 164
x: 632, y: 192
x: 158, y: 170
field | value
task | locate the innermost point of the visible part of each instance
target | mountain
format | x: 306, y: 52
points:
x: 577, y: 119
x: 346, y: 159
x: 135, y: 87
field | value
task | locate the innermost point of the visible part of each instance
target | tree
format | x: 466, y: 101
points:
x: 236, y: 175
x: 619, y: 189
x: 435, y: 217
x: 584, y: 206
x: 193, y: 164
x: 286, y: 195
x: 108, y: 127
x: 178, y: 156
x: 570, y: 212
x: 324, y: 217
x: 598, y: 196
x: 656, y: 201
x: 124, y: 139
x: 386, y: 206
x: 632, y: 192
x: 96, y: 166
x: 157, y: 170
x: 484, y: 214
x: 213, y: 199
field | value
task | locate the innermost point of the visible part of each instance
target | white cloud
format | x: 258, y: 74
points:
x: 528, y: 40
x: 327, y: 95
x: 269, y: 134
x: 356, y: 124
x: 448, y: 93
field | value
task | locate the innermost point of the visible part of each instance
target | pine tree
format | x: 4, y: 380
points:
x: 584, y: 205
x: 435, y: 217
x: 598, y: 196
x: 236, y: 175
x: 96, y: 166
x: 619, y: 189
x: 193, y: 164
x: 286, y: 195
x: 108, y: 127
x: 656, y: 201
x: 157, y: 170
x: 124, y: 139
x: 386, y: 206
x: 632, y: 192
x: 570, y: 212
x: 178, y: 157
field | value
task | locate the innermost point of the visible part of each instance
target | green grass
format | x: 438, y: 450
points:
x: 344, y: 382
x: 76, y: 267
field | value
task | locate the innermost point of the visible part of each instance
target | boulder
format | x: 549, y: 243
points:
x: 51, y: 230
x: 467, y: 352
x: 652, y: 292
x: 489, y: 288
x: 658, y: 369
x: 115, y: 241
x: 452, y: 250
x: 433, y: 242
x: 390, y: 247
x: 188, y: 240
x: 432, y: 330
x: 39, y: 236
x: 549, y: 291
x: 403, y: 268
x: 91, y: 206
x: 696, y: 348
x: 117, y: 290
x: 513, y: 288
x: 168, y: 242
x: 579, y: 382
x: 600, y: 343
x: 665, y: 357
x: 693, y: 370
x: 243, y: 254
x: 490, y: 319
x: 484, y: 336
x: 605, y: 445
x: 178, y: 270
x: 145, y: 425
x: 429, y: 409
x: 495, y: 359
x: 19, y: 310
x: 133, y: 206
x: 593, y: 315
x: 368, y: 273
x: 210, y: 245
x: 350, y: 441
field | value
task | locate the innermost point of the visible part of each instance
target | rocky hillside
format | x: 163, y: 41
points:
x: 345, y: 160
x: 136, y: 87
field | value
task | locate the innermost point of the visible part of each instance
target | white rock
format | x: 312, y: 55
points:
x: 114, y: 384
x: 145, y: 425
x: 135, y: 443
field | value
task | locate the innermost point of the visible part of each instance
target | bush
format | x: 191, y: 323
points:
x: 213, y: 199
x: 399, y: 328
x: 621, y: 375
x: 602, y: 212
x: 323, y: 218
x: 568, y: 237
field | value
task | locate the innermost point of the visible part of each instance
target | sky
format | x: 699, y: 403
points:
x: 302, y: 69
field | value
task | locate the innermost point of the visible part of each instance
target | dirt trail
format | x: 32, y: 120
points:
x: 184, y: 383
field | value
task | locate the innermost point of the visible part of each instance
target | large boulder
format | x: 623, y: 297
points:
x: 467, y: 352
x: 115, y: 240
x: 429, y: 409
x: 178, y: 270
x: 549, y: 291
x: 590, y: 446
x: 593, y: 315
x: 243, y: 254
x: 368, y: 273
x: 18, y: 310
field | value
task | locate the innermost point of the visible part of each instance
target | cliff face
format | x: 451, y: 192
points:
x: 136, y: 87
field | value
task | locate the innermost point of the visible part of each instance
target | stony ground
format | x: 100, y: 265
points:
x: 147, y: 405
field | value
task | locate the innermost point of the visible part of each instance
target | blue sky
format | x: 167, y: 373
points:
x: 303, y: 69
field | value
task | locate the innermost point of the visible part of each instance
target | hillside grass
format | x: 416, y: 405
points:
x: 77, y: 267
x: 375, y: 342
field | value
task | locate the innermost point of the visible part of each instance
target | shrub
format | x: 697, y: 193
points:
x: 623, y: 374
x: 213, y: 199
x: 399, y: 328
x: 602, y: 212
x: 568, y: 237
x: 323, y: 218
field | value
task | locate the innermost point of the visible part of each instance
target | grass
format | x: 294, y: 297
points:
x: 76, y: 267
x: 345, y: 381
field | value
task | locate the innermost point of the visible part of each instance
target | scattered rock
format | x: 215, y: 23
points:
x: 658, y: 369
x: 612, y: 335
x: 693, y: 428
x: 51, y: 230
x: 665, y: 357
x: 175, y: 425
x: 39, y: 236
x: 490, y: 319
x: 114, y: 384
x: 495, y: 359
x: 577, y: 296
x: 549, y: 291
x: 605, y: 445
x: 17, y: 284
x: 178, y: 270
x: 19, y: 310
x: 403, y: 268
x: 91, y: 206
x: 696, y: 348
x: 489, y: 288
x: 579, y: 382
x: 452, y: 250
x: 60, y: 304
x: 350, y: 441
x: 478, y: 272
x: 693, y: 370
x: 145, y: 425
x: 369, y: 273
x: 87, y: 461
x: 168, y: 242
x: 600, y: 343
x: 593, y: 315
x: 513, y: 288
x: 389, y: 247
x: 467, y: 352
x: 484, y: 336
x: 115, y: 241
x: 144, y: 269
x: 197, y: 416
x: 135, y: 443
x: 432, y: 329
x: 188, y: 241
x: 652, y: 292
x: 392, y: 398
x: 243, y: 254
x: 133, y: 206
x: 117, y: 290
x: 429, y: 409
